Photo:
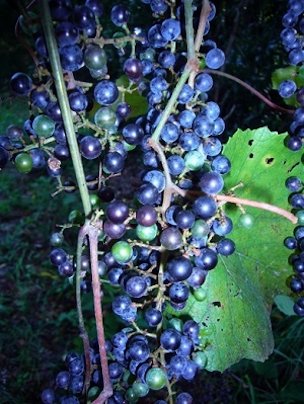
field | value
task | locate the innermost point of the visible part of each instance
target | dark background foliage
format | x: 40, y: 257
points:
x: 38, y: 323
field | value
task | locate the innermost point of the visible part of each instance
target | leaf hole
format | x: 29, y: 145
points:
x: 217, y: 319
x: 250, y: 142
x: 269, y: 160
x: 217, y: 304
x: 248, y: 339
x: 251, y: 155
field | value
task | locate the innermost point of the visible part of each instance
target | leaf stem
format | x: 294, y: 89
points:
x: 189, y: 29
x: 64, y: 104
x: 253, y: 91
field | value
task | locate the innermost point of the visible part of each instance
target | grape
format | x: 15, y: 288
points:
x: 78, y: 101
x: 287, y: 88
x: 117, y: 211
x: 136, y: 287
x: 146, y: 233
x: 184, y: 398
x: 21, y: 83
x: 122, y: 251
x: 171, y: 238
x: 170, y: 29
x: 133, y: 69
x: 225, y: 247
x: 207, y: 259
x: 90, y: 147
x: 23, y: 162
x: 71, y: 57
x: 147, y: 194
x: 40, y: 98
x: 48, y: 396
x: 114, y: 230
x: 66, y: 34
x: 179, y: 268
x: 204, y: 207
x: 106, y: 92
x: 43, y: 126
x: 4, y: 157
x: 211, y: 183
x: 139, y: 351
x: 153, y: 317
x: 203, y: 82
x: 95, y: 6
x: 146, y: 215
x: 132, y: 134
x: 215, y: 58
x: 62, y: 380
x: 185, y: 219
x: 222, y: 226
x: 113, y: 162
x: 178, y: 292
x: 119, y: 15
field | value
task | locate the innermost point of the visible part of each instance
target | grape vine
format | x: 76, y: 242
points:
x: 151, y: 252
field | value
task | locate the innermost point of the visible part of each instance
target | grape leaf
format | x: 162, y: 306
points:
x: 235, y: 316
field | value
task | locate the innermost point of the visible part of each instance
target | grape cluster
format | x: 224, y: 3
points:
x: 292, y: 40
x: 157, y: 249
x: 296, y: 242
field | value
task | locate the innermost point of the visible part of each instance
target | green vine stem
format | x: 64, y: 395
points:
x: 64, y: 104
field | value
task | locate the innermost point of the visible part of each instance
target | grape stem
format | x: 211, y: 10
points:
x: 247, y: 202
x: 259, y: 205
x: 202, y: 25
x: 83, y: 333
x: 92, y: 232
x: 253, y: 91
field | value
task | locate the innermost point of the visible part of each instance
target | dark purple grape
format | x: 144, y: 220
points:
x: 71, y: 57
x: 153, y: 316
x: 225, y: 247
x: 95, y: 6
x: 114, y: 230
x: 106, y: 194
x: 84, y: 16
x: 66, y: 34
x: 171, y: 238
x: 78, y: 101
x: 48, y: 396
x: 62, y: 380
x: 204, y: 207
x: 117, y: 212
x: 179, y: 268
x: 61, y: 152
x: 66, y: 268
x: 21, y: 83
x: 106, y: 92
x: 90, y: 147
x: 119, y: 15
x: 147, y: 194
x: 211, y: 183
x: 58, y: 256
x: 114, y: 162
x: 170, y: 339
x: 4, y: 157
x: 146, y: 215
x: 178, y: 292
x: 207, y: 259
x: 38, y: 158
x: 40, y: 98
x: 61, y: 9
x: 133, y: 69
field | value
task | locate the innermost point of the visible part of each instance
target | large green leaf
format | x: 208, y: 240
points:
x: 234, y: 317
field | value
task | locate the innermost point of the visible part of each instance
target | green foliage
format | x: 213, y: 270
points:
x: 235, y: 315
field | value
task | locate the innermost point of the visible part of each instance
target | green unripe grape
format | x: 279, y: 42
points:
x: 105, y: 118
x: 200, y: 294
x: 94, y: 57
x: 146, y: 233
x: 43, y: 126
x: 24, y: 163
x: 57, y: 239
x: 300, y: 216
x: 156, y: 378
x: 148, y: 54
x: 76, y: 217
x: 140, y: 389
x: 122, y: 251
x: 246, y: 220
x: 200, y: 229
x: 94, y: 199
x: 200, y: 359
x: 194, y: 160
x: 177, y: 324
x: 131, y: 396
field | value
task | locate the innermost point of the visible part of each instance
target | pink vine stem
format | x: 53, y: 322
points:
x: 92, y: 232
